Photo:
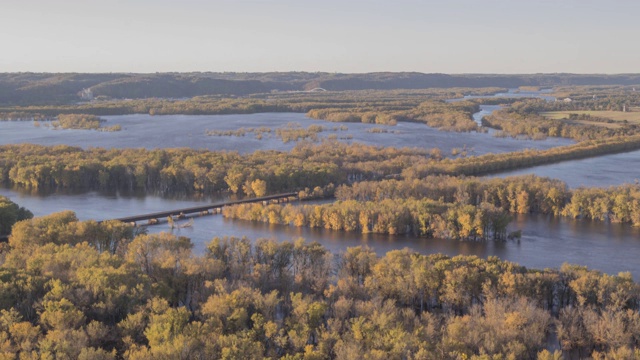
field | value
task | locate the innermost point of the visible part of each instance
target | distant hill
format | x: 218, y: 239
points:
x: 44, y: 88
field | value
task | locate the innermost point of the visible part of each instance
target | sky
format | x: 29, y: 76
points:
x: 347, y: 36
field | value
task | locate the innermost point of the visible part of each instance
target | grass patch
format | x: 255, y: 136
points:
x: 608, y: 119
x: 630, y: 116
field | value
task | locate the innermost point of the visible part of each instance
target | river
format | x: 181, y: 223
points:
x: 171, y: 131
x: 546, y: 242
x: 602, y: 171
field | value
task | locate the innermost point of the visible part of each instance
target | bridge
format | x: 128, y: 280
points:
x: 154, y: 218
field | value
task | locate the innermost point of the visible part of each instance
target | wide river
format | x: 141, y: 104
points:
x: 546, y: 242
x: 602, y: 171
x: 171, y: 131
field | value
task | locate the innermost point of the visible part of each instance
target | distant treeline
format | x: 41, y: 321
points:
x: 613, y: 98
x: 24, y: 116
x: 523, y: 119
x: 456, y: 116
x: 43, y: 88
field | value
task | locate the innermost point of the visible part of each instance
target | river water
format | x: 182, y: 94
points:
x: 171, y: 131
x: 602, y: 171
x: 546, y: 242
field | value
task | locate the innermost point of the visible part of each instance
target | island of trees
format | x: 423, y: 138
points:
x: 75, y: 289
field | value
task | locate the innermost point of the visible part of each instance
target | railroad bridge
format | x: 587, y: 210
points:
x: 155, y: 218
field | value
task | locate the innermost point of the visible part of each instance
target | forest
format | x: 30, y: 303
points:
x: 308, y: 165
x: 11, y: 213
x: 72, y: 289
x: 86, y: 290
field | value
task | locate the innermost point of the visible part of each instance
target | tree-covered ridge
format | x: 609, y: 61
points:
x: 363, y: 100
x: 85, y: 290
x: 47, y: 88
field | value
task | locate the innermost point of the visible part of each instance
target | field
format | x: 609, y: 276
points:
x: 630, y: 116
x: 615, y: 117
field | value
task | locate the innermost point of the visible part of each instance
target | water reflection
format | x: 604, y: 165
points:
x: 546, y: 242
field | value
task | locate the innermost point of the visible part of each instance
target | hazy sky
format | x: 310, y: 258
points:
x: 449, y: 36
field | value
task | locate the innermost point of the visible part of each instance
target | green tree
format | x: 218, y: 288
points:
x: 10, y: 213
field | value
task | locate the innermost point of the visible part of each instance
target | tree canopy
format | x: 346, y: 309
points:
x: 64, y: 294
x: 10, y: 213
